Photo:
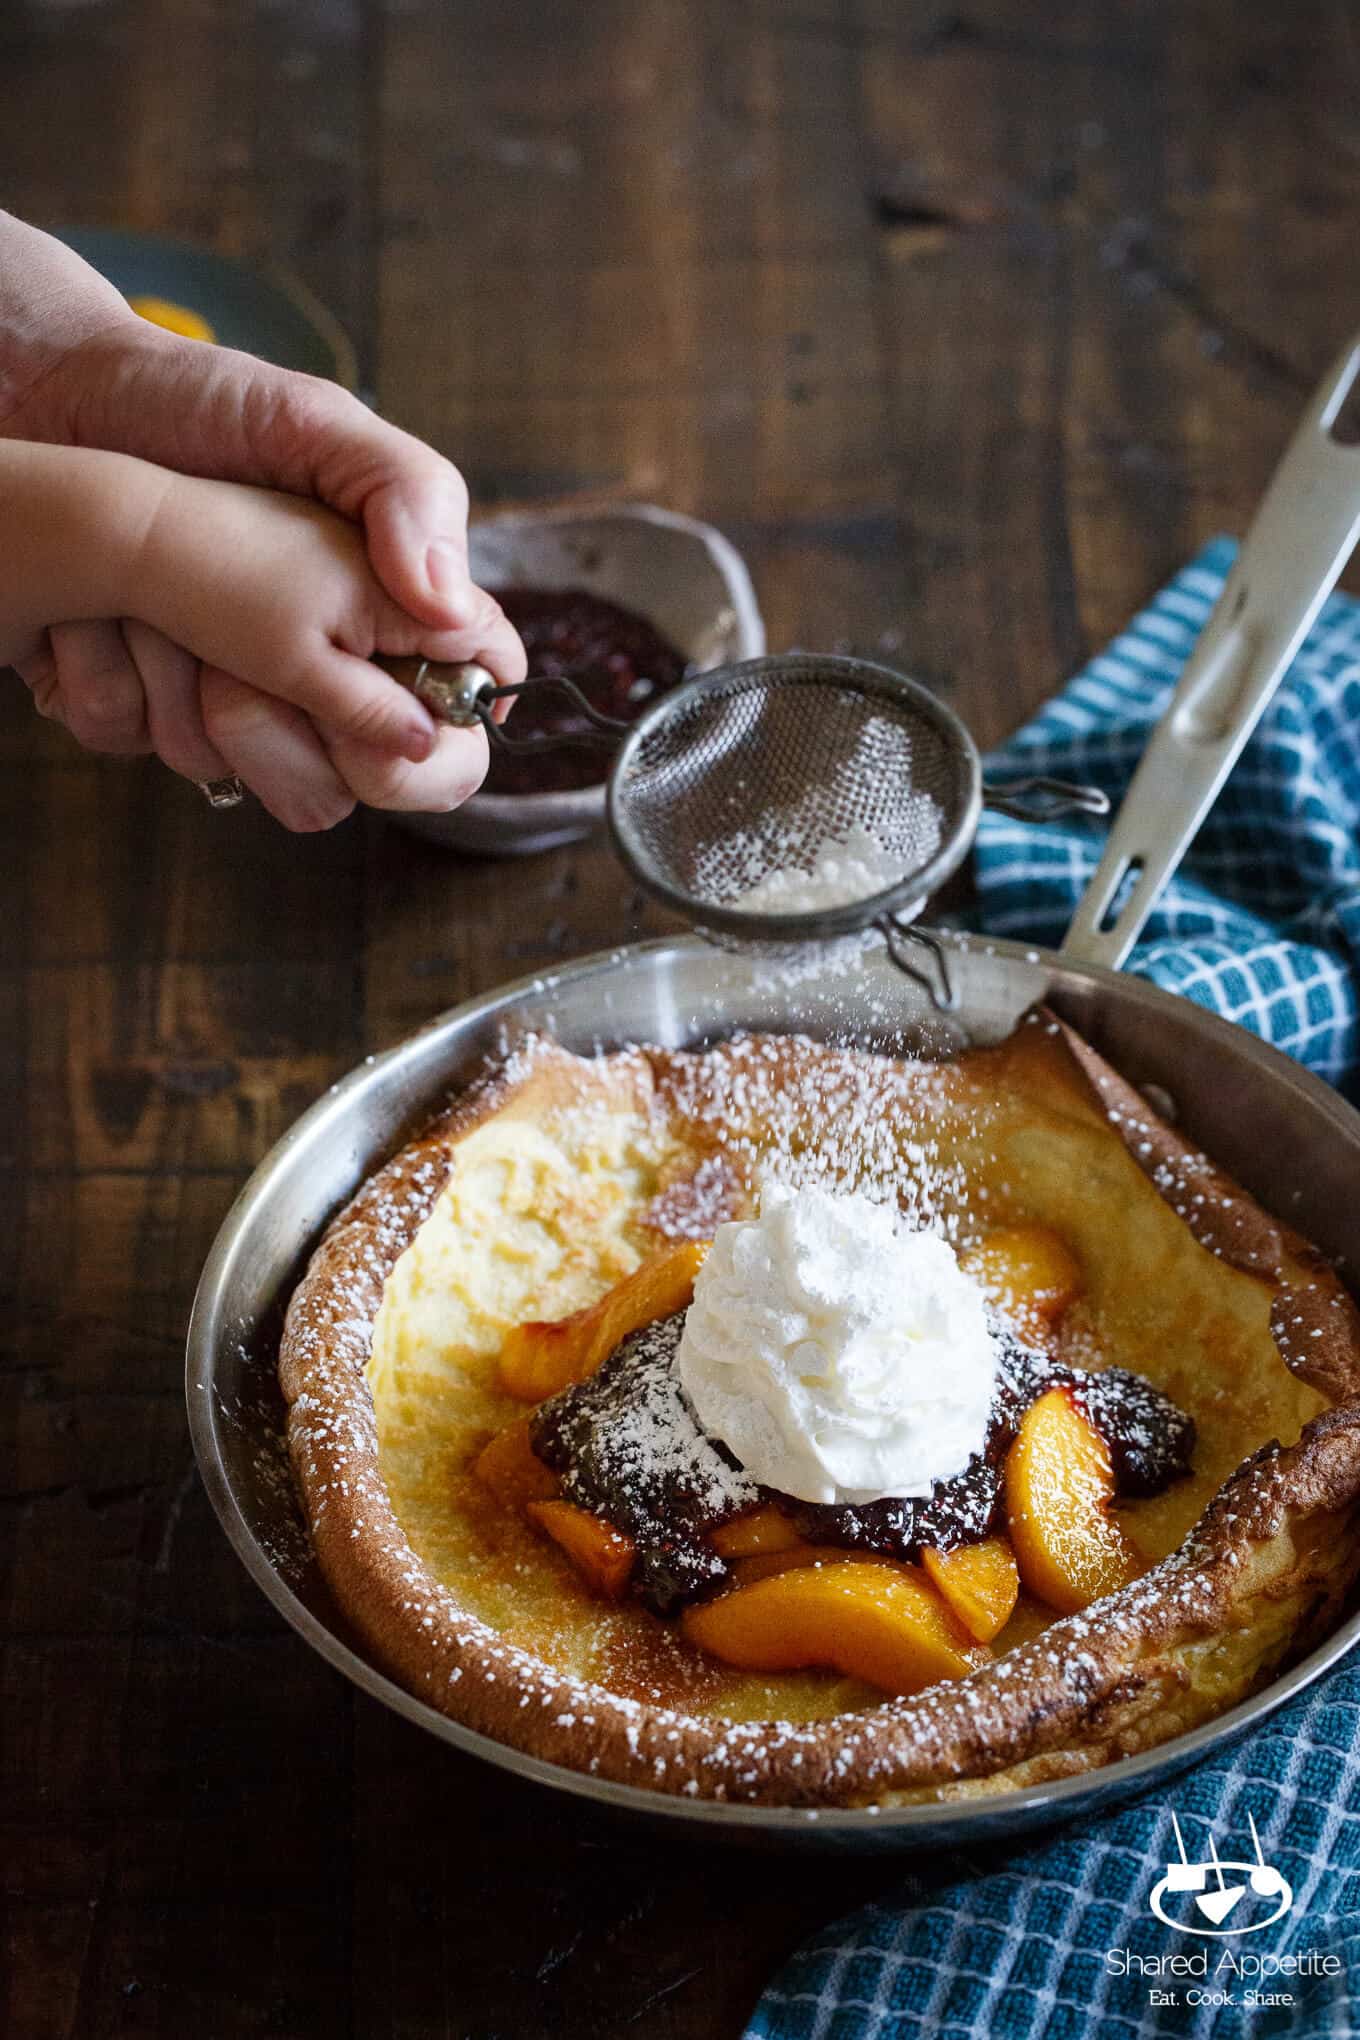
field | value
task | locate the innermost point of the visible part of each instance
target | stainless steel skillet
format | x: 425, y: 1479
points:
x: 1287, y: 1137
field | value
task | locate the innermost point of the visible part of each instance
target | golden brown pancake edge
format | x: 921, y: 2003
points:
x: 1273, y: 1558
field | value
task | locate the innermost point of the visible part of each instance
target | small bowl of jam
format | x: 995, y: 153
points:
x: 625, y: 602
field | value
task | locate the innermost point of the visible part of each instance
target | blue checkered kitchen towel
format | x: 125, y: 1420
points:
x: 1263, y: 925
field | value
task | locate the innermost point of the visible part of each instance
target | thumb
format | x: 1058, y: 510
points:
x: 415, y: 525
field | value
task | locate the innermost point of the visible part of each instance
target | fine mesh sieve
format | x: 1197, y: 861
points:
x: 741, y: 778
x: 789, y: 800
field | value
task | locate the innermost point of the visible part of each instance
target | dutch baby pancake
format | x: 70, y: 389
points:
x: 781, y: 1422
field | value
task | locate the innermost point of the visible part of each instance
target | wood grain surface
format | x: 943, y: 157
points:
x: 967, y: 325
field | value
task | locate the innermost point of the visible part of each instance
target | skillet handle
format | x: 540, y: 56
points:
x: 1300, y: 539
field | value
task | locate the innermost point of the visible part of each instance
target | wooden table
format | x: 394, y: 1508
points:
x: 968, y: 325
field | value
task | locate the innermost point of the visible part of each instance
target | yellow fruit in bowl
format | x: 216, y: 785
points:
x: 159, y: 311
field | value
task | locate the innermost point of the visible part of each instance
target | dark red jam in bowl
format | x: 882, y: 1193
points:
x: 619, y: 661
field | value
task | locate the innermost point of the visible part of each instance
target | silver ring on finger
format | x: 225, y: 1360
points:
x: 222, y: 793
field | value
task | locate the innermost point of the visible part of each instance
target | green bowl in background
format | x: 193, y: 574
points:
x: 264, y: 311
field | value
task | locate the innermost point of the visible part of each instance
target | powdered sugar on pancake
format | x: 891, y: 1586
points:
x: 1070, y: 1698
x: 782, y: 1109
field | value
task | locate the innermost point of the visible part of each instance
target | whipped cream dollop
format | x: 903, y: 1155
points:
x: 840, y: 1357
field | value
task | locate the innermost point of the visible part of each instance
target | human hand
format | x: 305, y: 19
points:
x: 254, y: 617
x: 77, y: 367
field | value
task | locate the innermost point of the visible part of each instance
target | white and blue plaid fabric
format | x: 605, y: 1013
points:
x: 1036, y: 1947
x: 1262, y: 925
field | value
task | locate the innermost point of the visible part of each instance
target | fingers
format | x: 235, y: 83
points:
x: 454, y: 770
x: 489, y: 637
x: 351, y: 699
x: 308, y: 436
x: 205, y: 724
x: 275, y: 750
x: 216, y: 412
x: 39, y: 674
x: 356, y: 699
x: 415, y: 525
x: 213, y: 411
x: 338, y: 690
x: 93, y: 686
x: 170, y: 677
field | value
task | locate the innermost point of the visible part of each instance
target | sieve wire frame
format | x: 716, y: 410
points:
x: 823, y: 924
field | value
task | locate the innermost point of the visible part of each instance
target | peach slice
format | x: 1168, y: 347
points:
x: 981, y: 1583
x: 1059, y: 1486
x: 760, y: 1565
x: 764, y: 1528
x: 601, y: 1554
x: 539, y: 1359
x: 1030, y: 1273
x: 881, y: 1623
x: 509, y: 1466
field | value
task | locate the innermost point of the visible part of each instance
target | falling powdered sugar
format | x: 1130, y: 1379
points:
x: 787, y: 1110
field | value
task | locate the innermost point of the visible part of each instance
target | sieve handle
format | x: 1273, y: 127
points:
x: 1044, y: 800
x: 453, y: 694
x: 1301, y: 537
x: 465, y: 695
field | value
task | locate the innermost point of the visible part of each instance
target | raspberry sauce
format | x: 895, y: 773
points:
x: 617, y: 658
x: 628, y: 1447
